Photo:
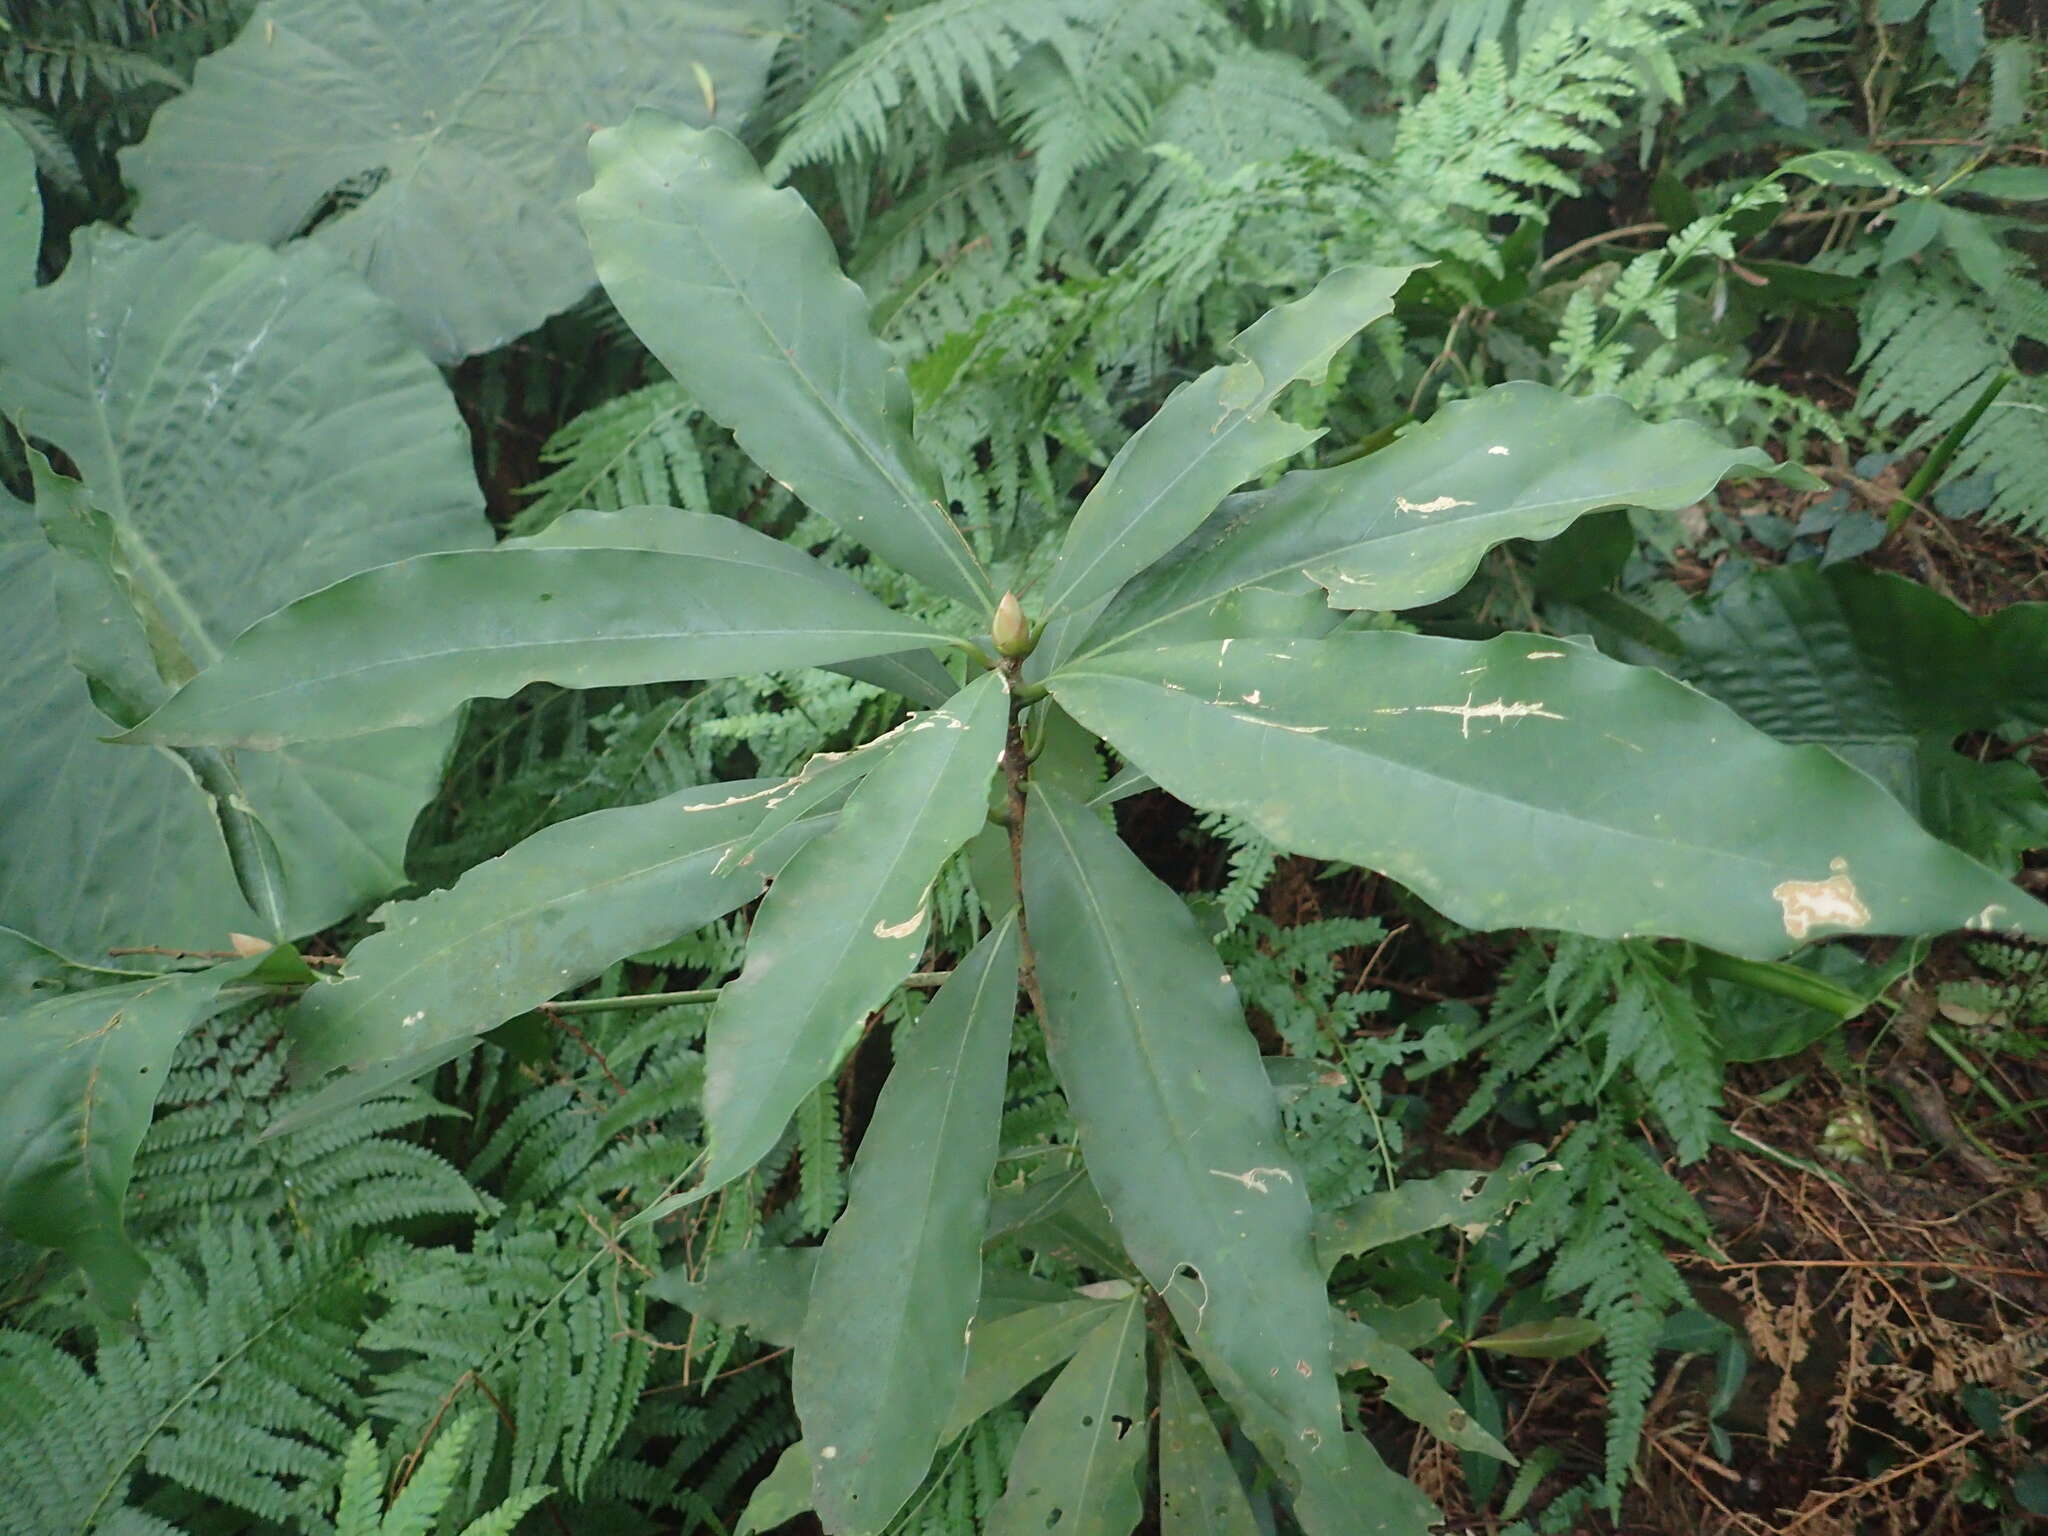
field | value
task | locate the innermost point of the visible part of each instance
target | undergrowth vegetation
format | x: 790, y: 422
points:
x: 463, y: 1063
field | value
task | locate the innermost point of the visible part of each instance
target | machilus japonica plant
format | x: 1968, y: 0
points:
x: 1227, y: 647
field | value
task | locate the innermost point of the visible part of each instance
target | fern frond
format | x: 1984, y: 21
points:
x: 527, y: 1315
x: 1075, y: 109
x: 821, y: 1157
x: 1931, y: 345
x: 1252, y: 862
x: 206, y: 1155
x: 639, y: 449
x: 926, y: 60
x: 238, y: 1388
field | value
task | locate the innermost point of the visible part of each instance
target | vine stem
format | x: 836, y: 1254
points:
x: 1016, y: 770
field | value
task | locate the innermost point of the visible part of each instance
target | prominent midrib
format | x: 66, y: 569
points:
x: 944, y: 1119
x: 1347, y: 546
x: 470, y: 938
x: 910, y: 497
x: 1121, y: 538
x: 124, y: 1466
x: 1392, y: 766
x: 316, y: 684
x: 1103, y: 1424
x: 1107, y: 926
x: 893, y: 860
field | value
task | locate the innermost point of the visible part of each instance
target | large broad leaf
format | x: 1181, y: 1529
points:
x: 1533, y: 782
x: 1407, y: 525
x: 1211, y: 435
x: 21, y: 217
x: 843, y: 925
x: 408, y: 642
x: 32, y: 972
x: 1886, y: 674
x: 452, y: 137
x: 1199, y: 1494
x: 1079, y: 1468
x: 1177, y: 1116
x: 884, y: 1345
x: 538, y: 920
x: 254, y: 427
x: 735, y: 287
x: 115, y: 636
x: 79, y: 1076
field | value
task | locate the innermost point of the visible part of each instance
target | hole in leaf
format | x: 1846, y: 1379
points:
x: 1123, y: 1424
x: 349, y: 193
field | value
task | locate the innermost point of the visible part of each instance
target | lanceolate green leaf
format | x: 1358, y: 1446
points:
x: 1412, y: 1389
x: 1344, y: 1488
x: 406, y: 643
x: 1199, y: 1494
x: 1407, y: 525
x: 472, y: 118
x: 781, y: 1496
x: 1177, y: 1117
x: 252, y: 427
x: 884, y: 1345
x: 1465, y: 1198
x: 764, y: 1290
x: 79, y: 1076
x: 1211, y: 434
x: 843, y: 924
x: 735, y: 287
x: 1006, y: 1355
x: 1533, y: 782
x: 916, y: 675
x: 533, y: 923
x: 1079, y: 1468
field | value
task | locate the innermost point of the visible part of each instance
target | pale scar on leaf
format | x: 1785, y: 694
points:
x: 1259, y: 1179
x: 1829, y: 903
x: 1424, y: 508
x: 900, y: 930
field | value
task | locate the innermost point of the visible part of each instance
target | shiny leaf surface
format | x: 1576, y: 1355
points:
x: 537, y: 921
x: 917, y: 675
x: 408, y: 642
